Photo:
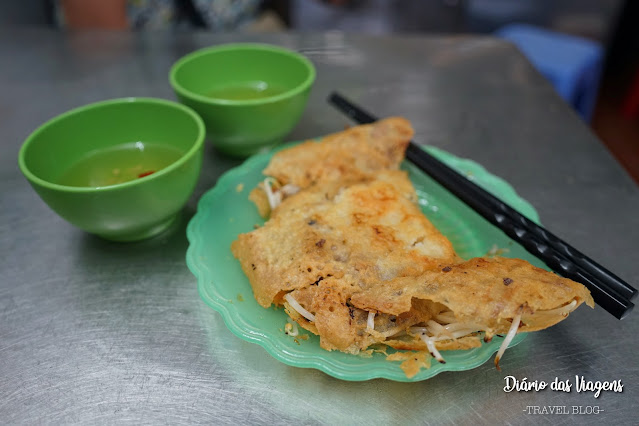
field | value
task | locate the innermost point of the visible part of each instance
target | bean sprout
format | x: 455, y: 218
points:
x: 295, y: 305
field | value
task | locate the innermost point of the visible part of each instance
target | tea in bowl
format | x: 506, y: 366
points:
x: 121, y: 169
x: 250, y: 96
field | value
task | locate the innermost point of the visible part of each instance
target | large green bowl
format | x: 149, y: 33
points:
x: 250, y: 96
x: 126, y: 211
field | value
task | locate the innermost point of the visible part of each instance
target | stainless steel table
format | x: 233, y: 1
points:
x: 98, y: 332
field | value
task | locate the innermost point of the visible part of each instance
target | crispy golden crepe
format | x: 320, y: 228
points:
x: 352, y: 258
x: 350, y: 155
x: 337, y: 240
x: 487, y: 292
x: 371, y: 230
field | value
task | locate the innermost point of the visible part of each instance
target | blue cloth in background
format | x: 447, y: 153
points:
x: 572, y: 64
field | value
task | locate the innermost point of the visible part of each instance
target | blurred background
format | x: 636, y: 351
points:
x: 588, y: 49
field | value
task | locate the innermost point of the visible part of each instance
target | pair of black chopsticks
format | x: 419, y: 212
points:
x: 609, y: 291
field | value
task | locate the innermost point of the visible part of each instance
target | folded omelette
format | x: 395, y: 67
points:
x: 349, y: 254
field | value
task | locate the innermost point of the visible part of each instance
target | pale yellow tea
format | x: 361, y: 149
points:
x: 119, y: 164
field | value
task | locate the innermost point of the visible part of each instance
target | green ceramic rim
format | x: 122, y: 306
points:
x: 329, y: 362
x: 199, y: 141
x: 242, y: 46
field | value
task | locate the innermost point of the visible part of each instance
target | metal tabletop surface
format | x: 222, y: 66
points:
x: 99, y: 332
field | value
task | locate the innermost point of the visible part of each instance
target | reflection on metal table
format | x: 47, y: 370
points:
x: 93, y: 331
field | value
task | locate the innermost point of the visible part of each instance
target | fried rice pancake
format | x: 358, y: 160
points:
x: 355, y: 153
x: 351, y: 257
x: 370, y: 230
x: 352, y: 154
x: 483, y: 293
x: 488, y: 291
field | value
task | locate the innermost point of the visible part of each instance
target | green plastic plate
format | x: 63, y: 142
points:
x: 225, y: 211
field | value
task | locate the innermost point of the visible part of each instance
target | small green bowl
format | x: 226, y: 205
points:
x: 249, y: 95
x: 121, y: 169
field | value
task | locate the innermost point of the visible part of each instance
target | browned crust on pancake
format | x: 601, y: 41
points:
x: 490, y: 291
x: 353, y: 242
x: 366, y: 232
x: 349, y: 155
x: 258, y: 197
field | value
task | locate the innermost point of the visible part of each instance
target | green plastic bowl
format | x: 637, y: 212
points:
x: 250, y: 96
x: 136, y: 130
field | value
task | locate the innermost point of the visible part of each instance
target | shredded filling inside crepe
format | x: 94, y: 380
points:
x: 275, y: 193
x: 445, y: 327
x: 298, y: 308
x: 349, y: 254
